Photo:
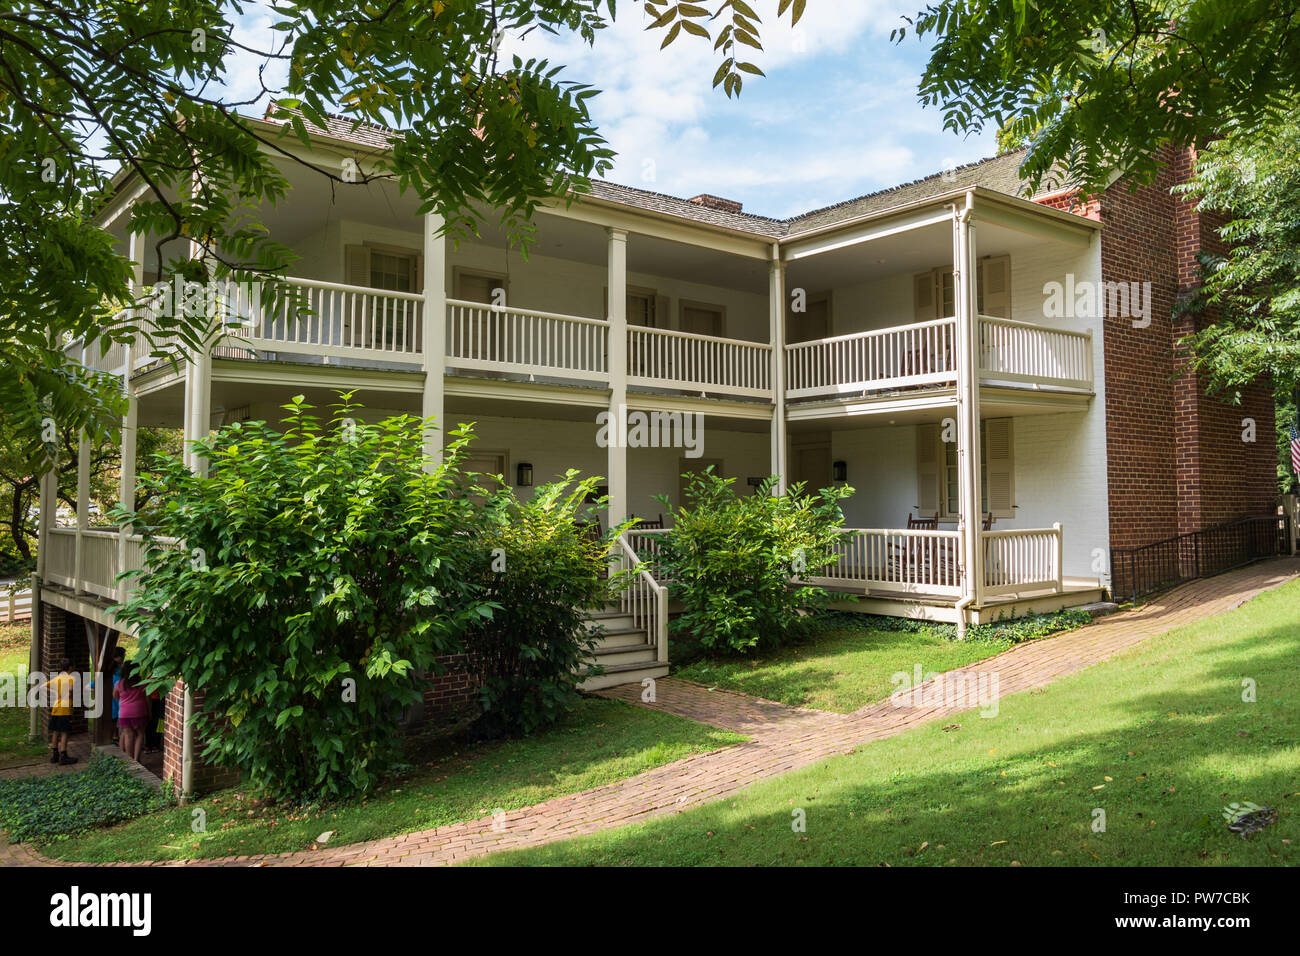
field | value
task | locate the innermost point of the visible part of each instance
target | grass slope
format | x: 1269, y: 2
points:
x: 1159, y: 738
x: 602, y: 742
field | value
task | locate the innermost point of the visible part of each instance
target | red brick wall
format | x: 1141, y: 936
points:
x: 451, y: 692
x: 1176, y: 458
x: 63, y: 634
x: 204, y: 777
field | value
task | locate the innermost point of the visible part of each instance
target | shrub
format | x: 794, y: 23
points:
x: 1016, y: 630
x: 64, y: 804
x: 322, y: 570
x: 732, y: 560
x: 539, y: 572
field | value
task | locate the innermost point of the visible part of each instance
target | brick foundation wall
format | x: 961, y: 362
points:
x: 62, y: 635
x: 205, y: 777
x: 453, y: 691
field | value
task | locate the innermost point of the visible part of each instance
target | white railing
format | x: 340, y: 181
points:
x: 1024, y: 559
x: 647, y: 543
x: 61, y: 556
x: 1019, y: 352
x: 498, y: 338
x: 908, y: 355
x: 643, y: 599
x: 922, y: 561
x: 102, y: 559
x: 664, y: 358
x: 99, y: 563
x: 328, y: 319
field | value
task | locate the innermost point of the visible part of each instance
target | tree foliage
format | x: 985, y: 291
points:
x: 738, y: 563
x: 319, y: 571
x: 1098, y: 87
x: 108, y: 94
x: 540, y: 572
x: 1251, y: 180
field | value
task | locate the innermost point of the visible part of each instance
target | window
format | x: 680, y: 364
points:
x: 933, y: 292
x: 700, y: 318
x: 641, y: 309
x: 937, y: 473
x: 393, y: 272
x: 381, y: 323
x: 480, y: 287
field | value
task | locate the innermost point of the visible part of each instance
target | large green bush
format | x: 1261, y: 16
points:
x: 540, y: 570
x: 63, y: 804
x: 322, y: 571
x: 734, y: 561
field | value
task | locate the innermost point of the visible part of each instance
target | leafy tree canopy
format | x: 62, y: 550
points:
x: 1099, y: 86
x: 103, y: 92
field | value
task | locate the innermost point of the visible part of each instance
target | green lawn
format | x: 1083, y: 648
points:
x: 1159, y: 738
x: 849, y: 664
x: 603, y: 741
x: 14, y: 748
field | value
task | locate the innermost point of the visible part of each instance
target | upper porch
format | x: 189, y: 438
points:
x: 820, y: 320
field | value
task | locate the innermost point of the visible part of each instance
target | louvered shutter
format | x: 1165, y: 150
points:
x: 995, y: 287
x: 999, y: 457
x: 923, y: 296
x: 927, y: 470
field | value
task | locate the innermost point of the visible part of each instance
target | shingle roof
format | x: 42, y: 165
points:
x: 998, y: 173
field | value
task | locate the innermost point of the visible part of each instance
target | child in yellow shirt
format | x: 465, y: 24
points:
x: 61, y: 689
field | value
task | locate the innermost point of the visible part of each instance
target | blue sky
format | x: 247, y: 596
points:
x: 835, y: 117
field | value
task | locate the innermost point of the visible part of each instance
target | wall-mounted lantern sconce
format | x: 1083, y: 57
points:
x: 840, y: 471
x: 524, y: 475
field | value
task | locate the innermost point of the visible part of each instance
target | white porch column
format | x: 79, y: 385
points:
x: 964, y: 271
x: 616, y: 448
x: 433, y: 336
x: 776, y: 319
x: 49, y: 491
x: 126, y: 483
x: 83, y: 508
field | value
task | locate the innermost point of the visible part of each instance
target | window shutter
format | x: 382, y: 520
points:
x: 923, y: 296
x: 927, y: 470
x: 999, y: 457
x: 358, y: 265
x: 356, y: 322
x: 417, y: 277
x: 660, y: 318
x: 995, y: 287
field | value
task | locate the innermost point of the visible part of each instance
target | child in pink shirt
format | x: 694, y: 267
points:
x: 133, y: 712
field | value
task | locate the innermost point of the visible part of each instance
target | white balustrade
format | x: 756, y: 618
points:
x: 499, y: 338
x: 664, y: 358
x: 1020, y: 352
x: 1022, y: 559
x: 899, y: 357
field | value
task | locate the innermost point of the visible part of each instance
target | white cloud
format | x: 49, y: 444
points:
x: 835, y: 116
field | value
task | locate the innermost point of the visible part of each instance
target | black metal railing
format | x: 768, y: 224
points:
x: 1197, y: 554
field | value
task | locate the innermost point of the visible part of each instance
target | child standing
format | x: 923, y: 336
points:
x: 133, y: 712
x: 61, y: 690
x: 119, y: 658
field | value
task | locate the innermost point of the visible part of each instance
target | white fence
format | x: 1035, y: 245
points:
x: 15, y: 604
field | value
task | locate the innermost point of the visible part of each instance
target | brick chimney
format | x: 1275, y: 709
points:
x: 716, y: 202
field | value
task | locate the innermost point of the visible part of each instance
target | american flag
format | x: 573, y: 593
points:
x: 1295, y: 445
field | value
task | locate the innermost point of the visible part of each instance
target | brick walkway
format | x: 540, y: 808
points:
x: 783, y: 738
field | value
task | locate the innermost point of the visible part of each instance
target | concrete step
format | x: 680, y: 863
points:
x: 620, y: 637
x: 626, y: 654
x: 618, y: 674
